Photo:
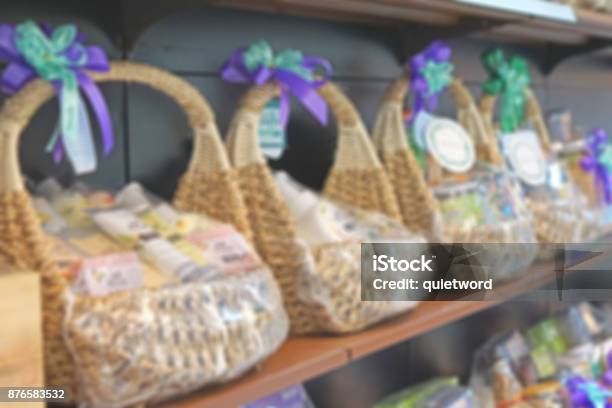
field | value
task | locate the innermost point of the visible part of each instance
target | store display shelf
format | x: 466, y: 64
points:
x: 297, y: 360
x: 441, y: 13
x: 304, y: 358
x: 443, y: 18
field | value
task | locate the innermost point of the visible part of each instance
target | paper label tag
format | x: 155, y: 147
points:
x: 122, y: 225
x: 226, y: 249
x: 419, y: 128
x: 525, y: 155
x: 102, y: 275
x: 94, y: 244
x: 272, y: 136
x: 178, y: 259
x: 450, y: 145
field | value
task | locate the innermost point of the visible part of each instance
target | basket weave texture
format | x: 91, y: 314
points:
x: 209, y: 186
x: 553, y: 222
x: 418, y: 204
x: 319, y: 296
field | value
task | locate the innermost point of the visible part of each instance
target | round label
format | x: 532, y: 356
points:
x: 526, y: 157
x: 450, y: 145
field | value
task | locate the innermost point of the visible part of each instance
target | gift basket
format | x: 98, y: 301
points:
x: 561, y: 361
x: 320, y: 278
x: 559, y: 211
x: 444, y: 173
x: 143, y: 343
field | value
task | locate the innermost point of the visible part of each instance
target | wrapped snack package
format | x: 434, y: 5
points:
x: 114, y: 337
x: 208, y: 313
x: 333, y: 232
x: 314, y: 247
x: 443, y: 171
x: 441, y: 392
x: 566, y: 354
x: 152, y: 344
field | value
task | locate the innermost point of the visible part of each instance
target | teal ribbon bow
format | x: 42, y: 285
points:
x: 438, y: 75
x: 260, y: 54
x: 292, y: 70
x: 510, y: 79
x: 57, y: 58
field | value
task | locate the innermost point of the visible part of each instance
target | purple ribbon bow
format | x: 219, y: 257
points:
x: 598, y: 159
x: 290, y: 69
x: 607, y: 375
x: 33, y: 51
x: 430, y: 74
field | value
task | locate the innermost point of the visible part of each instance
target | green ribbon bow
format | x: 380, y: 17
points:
x: 55, y: 58
x: 439, y: 76
x: 260, y: 55
x: 510, y: 79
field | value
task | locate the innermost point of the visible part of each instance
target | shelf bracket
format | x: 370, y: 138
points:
x: 557, y: 53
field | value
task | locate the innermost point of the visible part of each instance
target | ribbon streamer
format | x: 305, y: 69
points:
x: 431, y: 72
x: 598, y: 160
x: 292, y: 70
x: 509, y: 79
x: 33, y: 50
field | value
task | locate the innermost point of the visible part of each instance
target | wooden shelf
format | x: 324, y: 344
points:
x: 303, y: 358
x: 447, y: 16
x: 297, y: 360
x: 589, y: 24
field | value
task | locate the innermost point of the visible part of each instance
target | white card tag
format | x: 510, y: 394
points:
x: 450, y: 145
x: 419, y: 128
x: 523, y: 151
x: 101, y: 275
x: 272, y: 136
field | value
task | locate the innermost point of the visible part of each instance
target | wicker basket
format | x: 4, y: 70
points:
x: 554, y: 222
x: 418, y: 204
x: 209, y: 186
x: 317, y: 299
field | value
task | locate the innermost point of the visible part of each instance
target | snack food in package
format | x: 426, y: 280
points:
x: 162, y: 302
x: 439, y: 392
x: 333, y: 233
x: 566, y: 353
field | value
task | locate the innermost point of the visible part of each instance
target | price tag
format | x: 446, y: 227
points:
x: 226, y: 249
x: 272, y: 136
x: 450, y: 145
x: 419, y: 128
x: 102, y: 275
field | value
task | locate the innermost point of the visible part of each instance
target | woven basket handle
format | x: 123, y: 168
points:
x: 208, y: 153
x: 533, y: 111
x: 468, y: 113
x: 354, y: 148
